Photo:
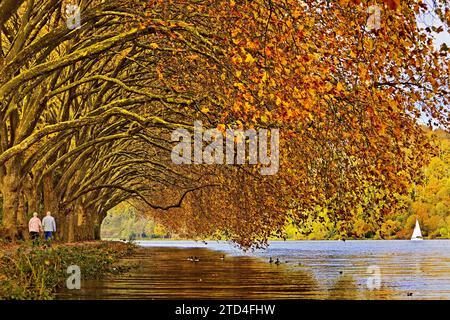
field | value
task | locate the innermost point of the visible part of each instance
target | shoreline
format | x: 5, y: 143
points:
x: 35, y: 273
x: 270, y: 240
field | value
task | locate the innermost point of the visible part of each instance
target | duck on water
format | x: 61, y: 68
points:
x: 193, y: 259
x: 277, y: 262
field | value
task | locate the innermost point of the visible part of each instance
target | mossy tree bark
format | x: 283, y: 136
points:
x: 11, y: 193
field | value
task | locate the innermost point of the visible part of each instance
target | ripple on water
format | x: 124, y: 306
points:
x: 314, y: 270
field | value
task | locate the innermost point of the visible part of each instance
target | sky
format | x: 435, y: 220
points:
x: 430, y: 19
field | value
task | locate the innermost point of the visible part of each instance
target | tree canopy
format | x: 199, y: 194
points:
x: 86, y: 114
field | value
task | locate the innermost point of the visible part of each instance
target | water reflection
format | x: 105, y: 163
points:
x: 165, y: 273
x: 309, y: 270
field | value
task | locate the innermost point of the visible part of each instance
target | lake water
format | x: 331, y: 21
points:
x: 308, y: 270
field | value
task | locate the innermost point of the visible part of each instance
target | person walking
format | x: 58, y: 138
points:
x: 34, y: 227
x: 49, y: 226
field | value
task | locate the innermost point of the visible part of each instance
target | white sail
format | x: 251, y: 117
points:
x: 417, y: 234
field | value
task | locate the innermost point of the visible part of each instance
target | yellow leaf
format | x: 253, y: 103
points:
x: 249, y: 58
x: 278, y: 102
x: 193, y: 57
x: 221, y: 127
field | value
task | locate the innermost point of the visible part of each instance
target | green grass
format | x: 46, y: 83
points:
x: 34, y: 273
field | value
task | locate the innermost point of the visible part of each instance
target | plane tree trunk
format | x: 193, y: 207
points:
x: 10, y: 188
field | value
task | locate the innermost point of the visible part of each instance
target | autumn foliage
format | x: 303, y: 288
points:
x: 345, y: 97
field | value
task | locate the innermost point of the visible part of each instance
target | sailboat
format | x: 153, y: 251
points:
x: 417, y: 234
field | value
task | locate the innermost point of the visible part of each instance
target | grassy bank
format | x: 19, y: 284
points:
x: 28, y: 272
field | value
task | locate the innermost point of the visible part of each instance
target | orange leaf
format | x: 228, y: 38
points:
x: 392, y: 4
